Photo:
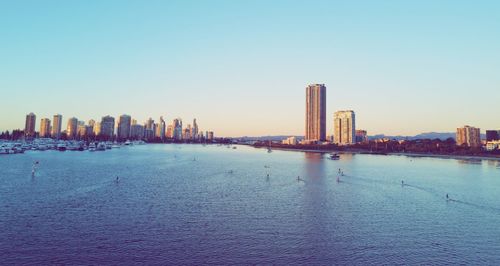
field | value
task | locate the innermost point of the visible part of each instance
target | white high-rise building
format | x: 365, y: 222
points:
x: 344, y: 123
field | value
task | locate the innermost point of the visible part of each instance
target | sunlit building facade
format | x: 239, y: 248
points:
x: 315, y: 113
x: 344, y: 127
x: 468, y: 136
x: 72, y: 127
x: 56, y: 126
x: 30, y: 124
x: 45, y: 128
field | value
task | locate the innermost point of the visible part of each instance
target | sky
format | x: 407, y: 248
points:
x: 241, y: 67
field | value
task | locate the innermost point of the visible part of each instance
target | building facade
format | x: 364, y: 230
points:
x: 29, y: 126
x: 45, y: 128
x: 72, y: 128
x: 344, y: 124
x: 315, y: 113
x: 107, y: 128
x: 468, y: 136
x: 124, y: 123
x: 56, y: 126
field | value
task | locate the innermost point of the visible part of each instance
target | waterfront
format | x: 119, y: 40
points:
x: 193, y: 204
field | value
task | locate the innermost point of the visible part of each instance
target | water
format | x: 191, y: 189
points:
x: 180, y: 204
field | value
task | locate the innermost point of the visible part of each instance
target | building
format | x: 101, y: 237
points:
x: 469, y: 136
x: 361, y: 136
x: 177, y: 127
x: 124, y: 123
x: 187, y: 132
x: 160, y: 130
x: 136, y: 131
x: 170, y: 132
x: 210, y: 135
x: 45, y: 128
x: 315, y: 113
x: 344, y: 124
x: 107, y: 129
x: 29, y: 126
x: 97, y: 128
x: 492, y: 145
x: 290, y: 141
x: 81, y: 130
x: 149, y: 129
x: 492, y: 135
x: 72, y: 127
x: 194, y: 130
x: 56, y: 126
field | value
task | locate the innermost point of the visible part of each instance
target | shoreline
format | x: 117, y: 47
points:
x: 409, y: 154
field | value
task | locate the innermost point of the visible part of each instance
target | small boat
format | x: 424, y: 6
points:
x: 92, y: 146
x: 101, y: 146
x: 269, y: 150
x: 334, y: 156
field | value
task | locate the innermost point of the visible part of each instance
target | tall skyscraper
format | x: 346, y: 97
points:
x: 107, y: 129
x: 29, y: 127
x: 124, y: 123
x: 469, y: 136
x: 177, y: 127
x: 45, y: 128
x: 344, y: 123
x: 149, y: 129
x: 72, y: 127
x: 315, y: 112
x: 194, y: 130
x: 56, y: 126
x: 160, y: 131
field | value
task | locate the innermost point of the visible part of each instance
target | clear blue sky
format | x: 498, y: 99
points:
x: 241, y: 67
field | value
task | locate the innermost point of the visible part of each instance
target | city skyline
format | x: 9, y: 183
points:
x: 241, y: 67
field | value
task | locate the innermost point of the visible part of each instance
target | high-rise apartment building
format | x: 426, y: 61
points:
x: 29, y: 126
x: 344, y: 124
x: 45, y: 128
x: 124, y: 123
x: 72, y: 128
x: 194, y: 130
x: 56, y: 126
x: 469, y: 136
x: 160, y: 131
x: 107, y: 128
x: 177, y: 127
x: 315, y: 113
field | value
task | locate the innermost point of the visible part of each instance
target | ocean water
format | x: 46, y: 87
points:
x: 190, y: 204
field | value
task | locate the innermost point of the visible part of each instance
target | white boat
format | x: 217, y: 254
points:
x: 334, y: 156
x: 61, y: 147
x: 92, y: 146
x: 101, y: 146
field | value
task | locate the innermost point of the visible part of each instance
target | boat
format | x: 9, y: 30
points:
x: 269, y: 150
x: 334, y: 156
x: 92, y: 146
x: 61, y: 147
x: 128, y: 142
x: 101, y: 146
